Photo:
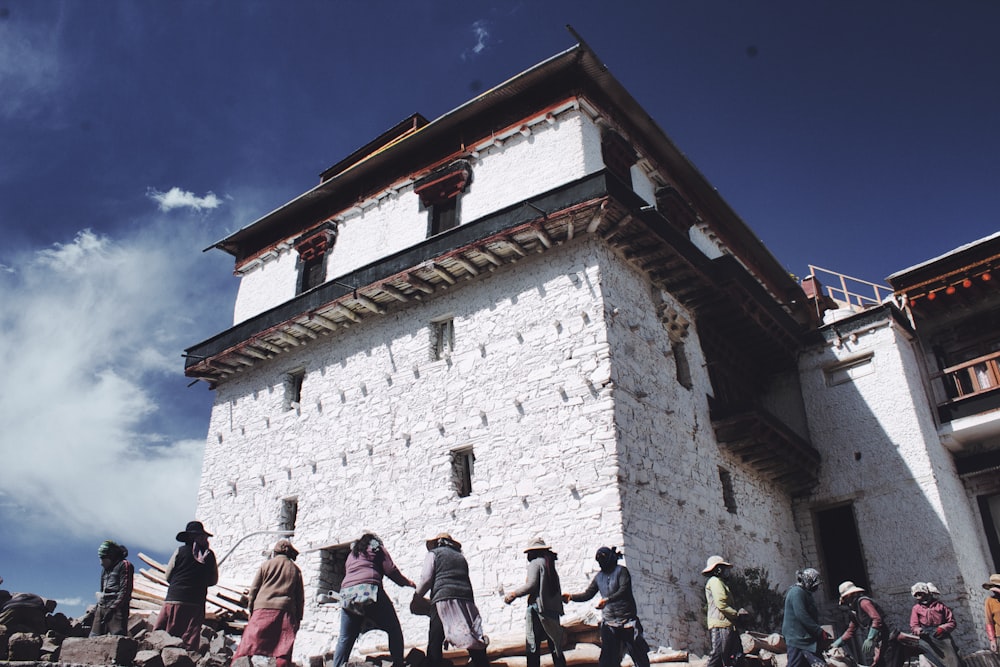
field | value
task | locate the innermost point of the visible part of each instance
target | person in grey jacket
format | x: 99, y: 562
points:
x: 545, y: 604
x: 620, y: 628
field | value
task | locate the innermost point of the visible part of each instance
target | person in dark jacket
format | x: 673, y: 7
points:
x: 276, y: 602
x: 621, y: 630
x: 446, y: 575
x: 545, y: 604
x: 800, y: 627
x: 879, y: 647
x: 111, y: 614
x: 363, y: 598
x: 190, y: 571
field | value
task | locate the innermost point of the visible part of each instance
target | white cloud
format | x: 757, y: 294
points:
x: 177, y: 198
x: 480, y: 30
x: 90, y: 328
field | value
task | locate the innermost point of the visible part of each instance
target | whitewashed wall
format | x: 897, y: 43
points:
x: 673, y: 505
x: 369, y: 446
x: 881, y: 452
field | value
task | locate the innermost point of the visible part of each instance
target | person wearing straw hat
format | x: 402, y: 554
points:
x: 993, y: 610
x: 545, y: 604
x: 725, y: 640
x: 446, y: 575
x: 621, y: 631
x: 879, y: 647
x: 190, y: 571
x: 276, y: 604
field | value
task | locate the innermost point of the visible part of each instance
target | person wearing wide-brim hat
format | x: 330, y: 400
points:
x: 276, y: 604
x: 721, y: 617
x: 545, y: 604
x: 190, y: 571
x: 992, y: 609
x: 879, y: 647
x: 445, y: 575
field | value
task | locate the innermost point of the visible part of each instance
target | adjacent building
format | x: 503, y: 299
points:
x: 534, y: 316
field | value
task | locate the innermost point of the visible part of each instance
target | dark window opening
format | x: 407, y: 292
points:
x: 683, y: 368
x: 728, y: 494
x: 332, y: 562
x: 443, y: 338
x: 313, y: 249
x: 444, y: 216
x: 462, y: 462
x: 293, y: 389
x: 312, y: 273
x: 989, y: 510
x: 618, y: 155
x: 840, y: 549
x: 289, y: 514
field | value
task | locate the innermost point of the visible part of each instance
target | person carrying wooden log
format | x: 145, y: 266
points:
x: 110, y: 616
x: 934, y: 622
x: 276, y: 603
x: 621, y: 630
x: 446, y: 575
x: 545, y: 604
x: 880, y: 647
x: 992, y: 609
x: 725, y: 640
x: 190, y: 571
x: 800, y: 626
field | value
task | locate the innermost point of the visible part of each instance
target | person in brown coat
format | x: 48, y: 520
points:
x: 277, y: 602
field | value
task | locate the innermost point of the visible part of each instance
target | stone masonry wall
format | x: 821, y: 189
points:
x: 673, y: 509
x: 369, y: 446
x: 870, y: 416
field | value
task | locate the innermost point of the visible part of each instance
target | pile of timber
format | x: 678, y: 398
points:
x: 225, y: 607
x: 581, y: 644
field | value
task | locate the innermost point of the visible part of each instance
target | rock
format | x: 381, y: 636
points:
x: 103, y: 650
x: 174, y: 656
x: 157, y: 640
x: 148, y: 658
x: 24, y: 646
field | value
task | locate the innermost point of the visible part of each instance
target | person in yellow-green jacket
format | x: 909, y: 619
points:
x: 726, y: 646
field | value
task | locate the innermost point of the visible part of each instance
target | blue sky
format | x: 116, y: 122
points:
x: 857, y: 136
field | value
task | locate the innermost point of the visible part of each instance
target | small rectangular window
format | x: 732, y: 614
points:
x: 312, y: 273
x: 443, y: 338
x: 332, y: 561
x: 849, y: 369
x: 289, y: 514
x: 444, y: 216
x: 293, y: 388
x: 462, y: 463
x: 681, y: 365
x: 728, y: 494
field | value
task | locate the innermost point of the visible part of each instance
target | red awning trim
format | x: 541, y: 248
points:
x: 444, y: 184
x: 315, y: 245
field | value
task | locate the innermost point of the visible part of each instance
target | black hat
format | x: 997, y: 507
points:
x: 194, y: 529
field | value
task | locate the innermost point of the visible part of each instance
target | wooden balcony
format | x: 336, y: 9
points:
x: 973, y: 387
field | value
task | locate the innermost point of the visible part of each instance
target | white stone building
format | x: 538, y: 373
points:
x: 533, y: 316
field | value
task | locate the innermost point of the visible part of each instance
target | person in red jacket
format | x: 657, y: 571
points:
x: 277, y: 603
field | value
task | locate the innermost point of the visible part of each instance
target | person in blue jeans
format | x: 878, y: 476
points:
x: 621, y: 630
x: 364, y: 570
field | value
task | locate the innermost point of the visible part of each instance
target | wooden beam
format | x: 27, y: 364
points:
x: 441, y: 271
x: 254, y: 352
x: 542, y: 235
x: 269, y: 346
x: 515, y: 246
x: 347, y: 312
x: 467, y: 265
x: 419, y: 283
x: 305, y: 331
x: 324, y: 321
x: 288, y: 338
x: 369, y: 304
x: 490, y: 256
x: 393, y: 292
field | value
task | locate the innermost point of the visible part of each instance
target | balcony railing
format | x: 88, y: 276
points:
x: 853, y: 293
x: 973, y: 377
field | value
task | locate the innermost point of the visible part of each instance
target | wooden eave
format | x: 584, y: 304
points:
x: 575, y: 72
x: 598, y: 204
x: 762, y: 442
